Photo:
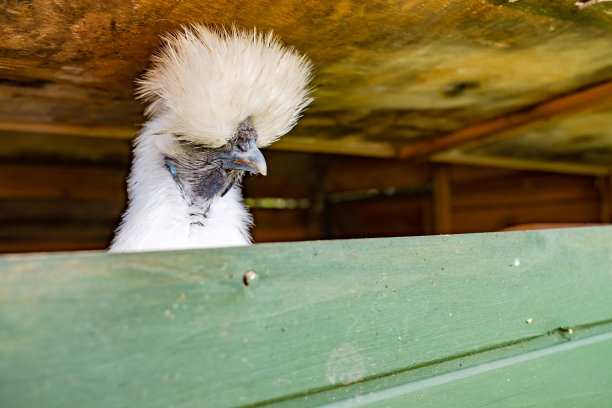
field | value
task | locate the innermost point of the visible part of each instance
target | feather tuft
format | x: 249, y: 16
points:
x: 203, y: 83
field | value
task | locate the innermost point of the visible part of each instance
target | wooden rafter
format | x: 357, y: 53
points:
x: 562, y: 106
x: 113, y: 132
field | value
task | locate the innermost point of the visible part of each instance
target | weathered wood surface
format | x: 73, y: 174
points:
x: 389, y: 73
x: 508, y: 319
x: 575, y: 141
x: 67, y: 193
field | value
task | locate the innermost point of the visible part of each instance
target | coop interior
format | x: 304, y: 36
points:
x: 429, y: 117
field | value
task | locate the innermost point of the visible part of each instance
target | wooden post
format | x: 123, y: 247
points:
x: 442, y: 211
x: 605, y: 187
x: 319, y: 224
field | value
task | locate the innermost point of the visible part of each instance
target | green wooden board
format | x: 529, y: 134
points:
x: 500, y: 319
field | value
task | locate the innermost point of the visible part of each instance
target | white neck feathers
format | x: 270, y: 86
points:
x: 159, y: 216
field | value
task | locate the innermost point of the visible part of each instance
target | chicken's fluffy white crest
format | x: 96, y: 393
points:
x: 203, y: 83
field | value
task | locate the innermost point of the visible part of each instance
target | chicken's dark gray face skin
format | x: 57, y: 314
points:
x: 206, y: 172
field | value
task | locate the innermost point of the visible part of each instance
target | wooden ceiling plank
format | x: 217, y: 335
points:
x: 287, y: 143
x: 457, y: 157
x: 397, y: 73
x: 563, y: 106
x: 341, y: 146
x: 114, y: 132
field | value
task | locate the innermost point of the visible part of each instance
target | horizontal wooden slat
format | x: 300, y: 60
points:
x: 54, y: 245
x: 497, y: 218
x: 55, y: 181
x: 69, y: 231
x: 70, y: 149
x: 14, y: 211
x: 275, y: 225
x: 397, y: 216
x: 465, y: 174
x: 325, y: 322
x: 33, y: 225
x: 357, y: 147
x: 289, y: 175
x: 350, y: 173
x: 524, y: 189
x: 125, y: 132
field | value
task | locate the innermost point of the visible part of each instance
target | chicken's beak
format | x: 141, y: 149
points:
x: 250, y: 160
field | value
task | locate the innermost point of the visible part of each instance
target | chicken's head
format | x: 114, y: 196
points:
x: 223, y: 95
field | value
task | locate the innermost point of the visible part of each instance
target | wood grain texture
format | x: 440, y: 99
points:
x: 565, y: 106
x: 402, y: 215
x: 67, y: 193
x: 47, y: 181
x: 556, y: 376
x: 392, y: 76
x: 502, y: 199
x: 574, y: 140
x: 325, y: 322
x: 604, y: 185
x: 442, y: 201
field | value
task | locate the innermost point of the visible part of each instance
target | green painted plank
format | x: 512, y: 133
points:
x: 180, y: 329
x: 570, y: 374
x: 407, y: 387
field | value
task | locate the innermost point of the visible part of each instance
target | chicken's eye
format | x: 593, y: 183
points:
x: 242, y: 145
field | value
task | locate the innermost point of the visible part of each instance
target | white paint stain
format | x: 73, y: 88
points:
x: 345, y: 365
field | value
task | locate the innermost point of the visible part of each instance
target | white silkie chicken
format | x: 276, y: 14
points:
x: 214, y: 98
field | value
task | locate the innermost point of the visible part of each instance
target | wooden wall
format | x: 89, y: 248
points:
x: 402, y: 322
x: 497, y: 199
x: 68, y: 193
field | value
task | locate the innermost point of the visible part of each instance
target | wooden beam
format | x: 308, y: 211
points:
x: 564, y: 105
x: 348, y: 146
x: 353, y: 145
x: 456, y: 156
x: 114, y: 132
x: 56, y: 181
x: 422, y: 322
